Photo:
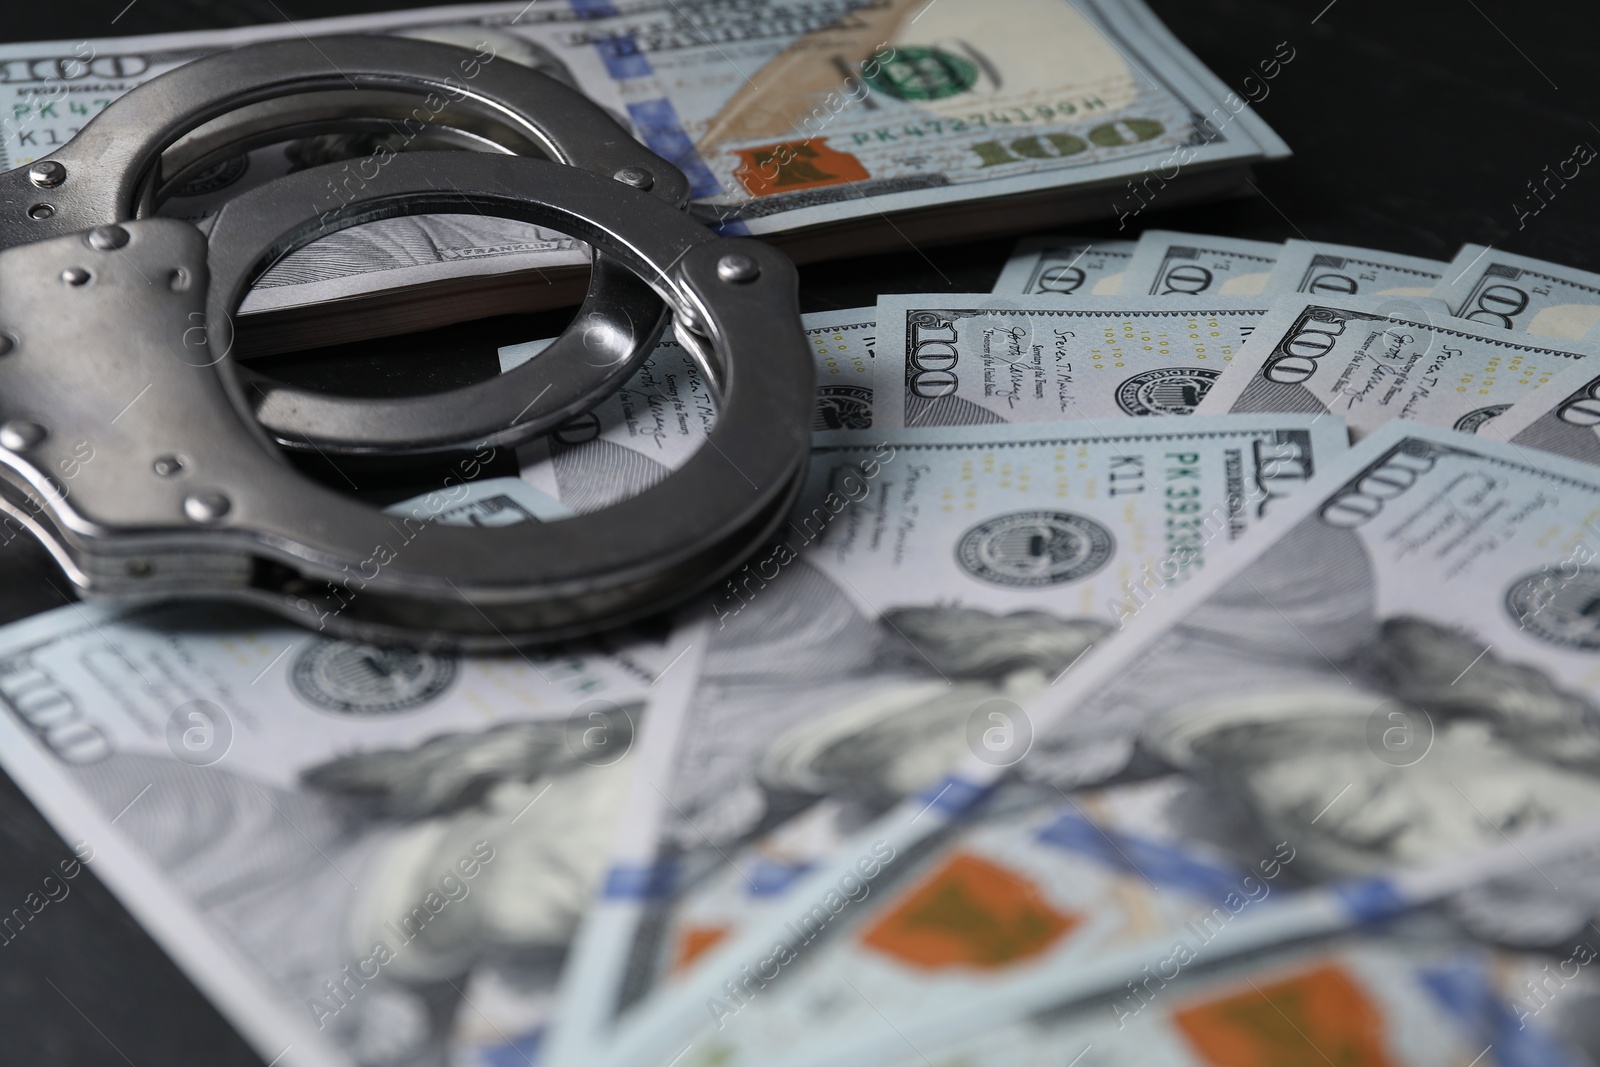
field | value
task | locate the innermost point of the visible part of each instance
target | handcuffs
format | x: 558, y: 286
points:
x: 116, y: 333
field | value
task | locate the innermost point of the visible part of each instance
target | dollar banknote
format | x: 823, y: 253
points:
x: 342, y: 845
x: 1345, y: 270
x: 788, y: 116
x: 1410, y: 707
x: 1372, y: 359
x: 1520, y: 293
x: 1070, y: 266
x: 1562, y: 417
x: 1006, y: 917
x: 951, y: 360
x: 1170, y: 264
x: 929, y: 578
x: 1418, y: 999
x: 977, y: 912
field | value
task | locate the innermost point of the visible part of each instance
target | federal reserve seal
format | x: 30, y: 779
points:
x: 1560, y: 609
x: 1473, y: 421
x: 1168, y: 391
x: 356, y: 679
x: 843, y: 407
x: 1034, y: 548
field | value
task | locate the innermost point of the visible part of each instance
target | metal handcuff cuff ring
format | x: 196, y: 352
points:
x: 216, y: 106
x: 134, y: 454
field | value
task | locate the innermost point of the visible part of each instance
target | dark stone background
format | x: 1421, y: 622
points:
x: 1416, y: 125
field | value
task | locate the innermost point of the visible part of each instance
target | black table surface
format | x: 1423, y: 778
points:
x: 1416, y: 126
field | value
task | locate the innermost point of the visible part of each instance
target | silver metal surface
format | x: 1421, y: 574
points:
x: 265, y: 224
x: 204, y: 507
x: 637, y: 177
x: 371, y: 111
x: 47, y: 174
x: 109, y: 162
x: 736, y: 269
x: 20, y: 434
x: 105, y: 238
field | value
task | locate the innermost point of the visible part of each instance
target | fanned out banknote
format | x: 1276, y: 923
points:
x: 1343, y: 270
x: 1409, y: 709
x: 1174, y: 265
x: 226, y: 771
x: 1004, y: 894
x: 1520, y: 293
x: 1562, y: 417
x: 1418, y: 997
x: 960, y: 360
x: 322, y: 832
x: 1373, y: 359
x: 1007, y: 915
x: 948, y: 119
x: 1067, y: 266
x: 929, y: 582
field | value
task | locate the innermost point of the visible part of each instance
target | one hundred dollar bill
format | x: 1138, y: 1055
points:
x: 1373, y: 359
x: 1563, y: 417
x: 1042, y: 884
x: 929, y: 577
x: 1410, y: 707
x: 1170, y: 264
x: 982, y: 909
x: 961, y: 360
x: 1345, y: 270
x: 1068, y: 266
x: 1408, y: 997
x: 1520, y: 293
x: 787, y: 116
x: 321, y: 832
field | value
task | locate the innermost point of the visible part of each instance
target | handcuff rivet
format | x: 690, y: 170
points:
x: 637, y: 177
x: 47, y: 174
x: 206, y: 507
x: 40, y: 212
x: 20, y: 434
x: 107, y: 238
x: 736, y: 268
x: 75, y: 276
x: 167, y: 466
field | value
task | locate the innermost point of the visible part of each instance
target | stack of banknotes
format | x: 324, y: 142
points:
x: 1186, y: 653
x: 827, y: 126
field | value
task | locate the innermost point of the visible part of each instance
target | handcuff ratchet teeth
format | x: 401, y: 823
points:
x: 152, y: 465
